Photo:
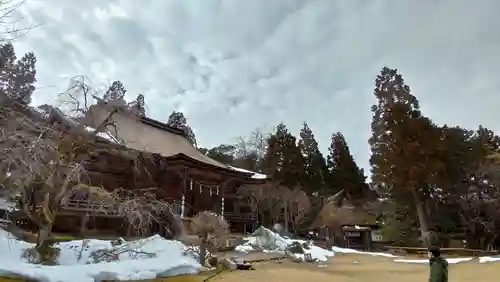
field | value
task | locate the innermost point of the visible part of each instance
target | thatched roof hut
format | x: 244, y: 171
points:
x: 338, y: 211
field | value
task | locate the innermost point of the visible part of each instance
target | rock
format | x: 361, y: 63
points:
x: 295, y: 248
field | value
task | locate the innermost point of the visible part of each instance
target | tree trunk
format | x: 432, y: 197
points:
x: 43, y: 246
x: 203, y: 250
x: 42, y: 235
x: 422, y: 218
x: 286, y: 217
x: 83, y: 225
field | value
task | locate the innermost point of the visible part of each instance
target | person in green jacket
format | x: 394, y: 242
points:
x: 438, y: 265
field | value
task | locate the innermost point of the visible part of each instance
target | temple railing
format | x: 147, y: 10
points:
x: 92, y: 207
x: 232, y: 216
x: 108, y: 209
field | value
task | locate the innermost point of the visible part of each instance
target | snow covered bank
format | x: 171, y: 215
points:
x: 489, y: 259
x: 351, y: 251
x: 426, y: 261
x: 266, y: 240
x: 255, y: 175
x: 76, y: 263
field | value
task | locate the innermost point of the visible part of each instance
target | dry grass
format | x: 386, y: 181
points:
x: 345, y: 268
x: 350, y: 268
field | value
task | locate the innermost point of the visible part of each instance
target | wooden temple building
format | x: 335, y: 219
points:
x: 190, y: 180
x: 179, y: 174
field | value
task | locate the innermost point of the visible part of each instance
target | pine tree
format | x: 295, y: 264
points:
x: 346, y: 173
x: 17, y: 77
x: 222, y: 153
x: 138, y: 106
x: 283, y: 160
x: 405, y: 145
x: 115, y: 93
x: 178, y: 120
x: 315, y: 169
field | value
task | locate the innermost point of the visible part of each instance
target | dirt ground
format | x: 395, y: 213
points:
x: 350, y: 267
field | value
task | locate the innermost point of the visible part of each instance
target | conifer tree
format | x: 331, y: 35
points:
x: 283, y: 160
x: 405, y: 145
x: 178, y: 120
x: 315, y: 169
x: 17, y: 77
x: 222, y: 153
x: 115, y: 93
x: 346, y: 173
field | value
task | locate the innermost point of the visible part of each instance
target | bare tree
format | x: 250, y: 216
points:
x: 79, y: 97
x: 250, y: 150
x: 143, y: 211
x: 297, y: 205
x: 477, y: 198
x: 209, y: 228
x: 10, y: 20
x: 276, y: 202
x: 42, y: 164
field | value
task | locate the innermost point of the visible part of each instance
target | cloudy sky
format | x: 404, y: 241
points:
x: 234, y: 65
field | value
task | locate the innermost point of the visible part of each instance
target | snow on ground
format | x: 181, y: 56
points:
x: 266, y: 240
x: 255, y: 174
x: 426, y: 261
x: 351, y: 251
x: 489, y: 259
x: 76, y: 265
x: 105, y: 135
x: 6, y: 204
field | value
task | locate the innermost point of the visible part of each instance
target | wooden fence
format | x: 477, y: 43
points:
x: 456, y: 251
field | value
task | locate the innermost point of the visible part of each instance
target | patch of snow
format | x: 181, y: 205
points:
x: 489, y: 259
x: 244, y: 249
x: 351, y: 251
x: 255, y: 175
x: 7, y: 204
x: 268, y: 241
x: 317, y: 253
x: 76, y: 264
x: 449, y: 260
x: 105, y: 135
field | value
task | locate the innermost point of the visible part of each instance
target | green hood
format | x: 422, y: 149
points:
x: 439, y: 260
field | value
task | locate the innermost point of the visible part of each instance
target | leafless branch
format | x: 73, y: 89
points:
x: 8, y: 21
x: 143, y: 210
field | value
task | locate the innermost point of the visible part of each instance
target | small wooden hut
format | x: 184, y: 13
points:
x: 345, y: 224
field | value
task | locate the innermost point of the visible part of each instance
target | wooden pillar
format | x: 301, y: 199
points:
x: 83, y: 224
x: 184, y: 190
x: 222, y: 188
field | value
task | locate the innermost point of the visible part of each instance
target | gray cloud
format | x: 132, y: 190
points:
x: 234, y: 65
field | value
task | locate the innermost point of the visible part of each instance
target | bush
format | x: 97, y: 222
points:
x: 46, y: 255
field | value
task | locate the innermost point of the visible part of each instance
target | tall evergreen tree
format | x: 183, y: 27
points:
x: 404, y: 144
x: 346, y: 173
x: 315, y: 169
x: 115, y: 93
x: 138, y: 105
x: 17, y: 77
x: 222, y: 153
x: 178, y: 120
x: 283, y: 160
